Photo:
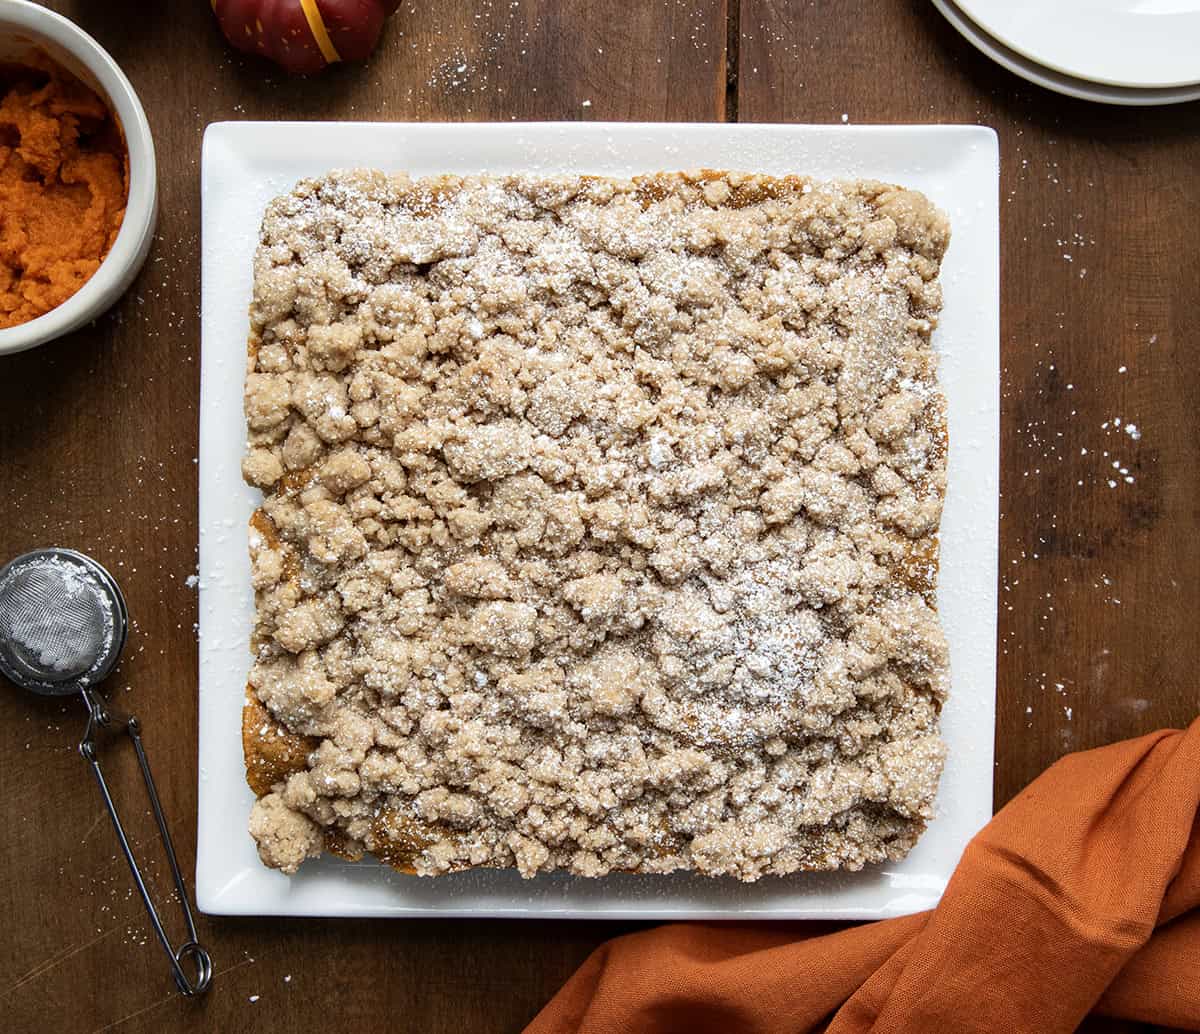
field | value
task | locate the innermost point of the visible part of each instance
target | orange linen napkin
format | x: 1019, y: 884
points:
x: 1083, y: 894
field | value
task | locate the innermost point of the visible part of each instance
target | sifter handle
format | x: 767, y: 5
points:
x: 101, y: 717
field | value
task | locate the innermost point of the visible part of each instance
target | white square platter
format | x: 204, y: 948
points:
x: 245, y: 164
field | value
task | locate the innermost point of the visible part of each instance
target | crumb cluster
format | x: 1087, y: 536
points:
x: 599, y: 523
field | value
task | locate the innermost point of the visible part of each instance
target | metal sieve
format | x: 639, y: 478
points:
x: 63, y: 622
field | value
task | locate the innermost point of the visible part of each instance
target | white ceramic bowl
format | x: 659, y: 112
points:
x: 26, y: 28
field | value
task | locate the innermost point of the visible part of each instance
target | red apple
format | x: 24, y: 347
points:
x: 304, y: 35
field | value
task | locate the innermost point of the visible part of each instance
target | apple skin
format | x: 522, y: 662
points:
x: 279, y: 29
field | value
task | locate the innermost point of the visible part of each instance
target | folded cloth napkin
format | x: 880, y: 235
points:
x: 1081, y: 895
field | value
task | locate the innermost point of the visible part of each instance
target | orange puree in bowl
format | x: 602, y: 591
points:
x: 63, y: 184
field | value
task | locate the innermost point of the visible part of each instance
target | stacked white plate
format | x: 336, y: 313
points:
x: 1111, y: 51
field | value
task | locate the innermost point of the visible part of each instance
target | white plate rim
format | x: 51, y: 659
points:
x: 1040, y: 75
x: 229, y: 878
x: 1046, y: 51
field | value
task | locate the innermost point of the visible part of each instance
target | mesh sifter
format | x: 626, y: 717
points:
x: 63, y: 623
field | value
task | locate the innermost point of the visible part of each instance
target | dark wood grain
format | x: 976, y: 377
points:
x: 98, y: 442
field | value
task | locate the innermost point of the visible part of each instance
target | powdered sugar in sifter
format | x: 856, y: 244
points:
x: 63, y: 623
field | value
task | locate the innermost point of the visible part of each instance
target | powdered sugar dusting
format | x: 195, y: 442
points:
x: 599, y: 522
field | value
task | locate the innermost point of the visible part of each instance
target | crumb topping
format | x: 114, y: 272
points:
x: 599, y: 522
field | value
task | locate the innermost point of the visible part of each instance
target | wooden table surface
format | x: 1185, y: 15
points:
x: 1099, y: 569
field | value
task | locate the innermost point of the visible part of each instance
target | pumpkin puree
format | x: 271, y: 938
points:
x: 63, y: 186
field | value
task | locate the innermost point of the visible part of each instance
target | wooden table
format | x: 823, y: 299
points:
x: 1099, y: 569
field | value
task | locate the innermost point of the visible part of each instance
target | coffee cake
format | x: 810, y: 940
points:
x: 599, y: 523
